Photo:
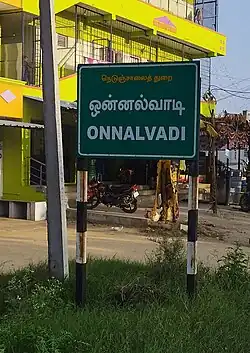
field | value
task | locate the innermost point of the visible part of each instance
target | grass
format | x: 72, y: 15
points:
x: 132, y: 307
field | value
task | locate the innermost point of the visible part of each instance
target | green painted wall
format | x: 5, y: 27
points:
x: 16, y: 153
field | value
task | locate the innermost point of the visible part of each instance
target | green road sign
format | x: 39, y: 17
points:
x: 139, y: 110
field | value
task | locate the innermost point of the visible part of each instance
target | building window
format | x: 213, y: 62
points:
x: 62, y: 41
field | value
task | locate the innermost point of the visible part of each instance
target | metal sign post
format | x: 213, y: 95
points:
x: 146, y: 111
x: 81, y: 232
x: 192, y: 227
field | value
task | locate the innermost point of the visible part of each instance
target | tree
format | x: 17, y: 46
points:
x: 235, y: 128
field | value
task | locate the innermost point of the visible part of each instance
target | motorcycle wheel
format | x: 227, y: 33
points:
x: 93, y: 202
x: 244, y: 203
x: 131, y: 208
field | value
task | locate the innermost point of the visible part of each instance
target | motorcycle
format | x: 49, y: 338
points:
x: 123, y: 197
x: 94, y: 189
x: 245, y: 202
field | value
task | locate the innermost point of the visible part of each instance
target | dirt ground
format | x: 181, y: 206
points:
x: 231, y: 226
x: 25, y: 242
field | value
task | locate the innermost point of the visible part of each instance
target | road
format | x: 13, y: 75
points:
x: 25, y: 242
x: 203, y: 209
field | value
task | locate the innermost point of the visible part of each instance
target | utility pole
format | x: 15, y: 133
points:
x: 213, y: 188
x: 212, y: 153
x: 248, y: 162
x: 227, y: 176
x: 56, y: 208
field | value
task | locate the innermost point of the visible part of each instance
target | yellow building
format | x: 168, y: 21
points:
x: 87, y: 32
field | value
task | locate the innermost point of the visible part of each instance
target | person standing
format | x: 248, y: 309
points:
x: 27, y: 69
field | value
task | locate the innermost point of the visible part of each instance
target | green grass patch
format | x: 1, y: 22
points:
x: 131, y: 307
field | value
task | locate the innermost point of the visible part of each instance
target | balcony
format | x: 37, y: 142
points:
x: 102, y: 35
x: 185, y: 21
x: 167, y: 24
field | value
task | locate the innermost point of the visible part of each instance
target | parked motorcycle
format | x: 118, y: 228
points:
x: 245, y: 202
x: 95, y: 188
x: 123, y: 197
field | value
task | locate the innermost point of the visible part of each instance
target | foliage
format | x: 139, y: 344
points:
x: 233, y: 271
x: 132, y: 307
x: 234, y: 128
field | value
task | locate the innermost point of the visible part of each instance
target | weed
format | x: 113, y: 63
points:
x: 132, y: 307
x: 233, y: 270
x: 18, y: 288
x: 168, y: 261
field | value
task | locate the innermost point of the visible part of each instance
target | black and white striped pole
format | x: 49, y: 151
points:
x: 81, y: 232
x: 192, y: 228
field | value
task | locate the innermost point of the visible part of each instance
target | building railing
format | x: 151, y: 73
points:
x: 80, y: 43
x: 37, y: 172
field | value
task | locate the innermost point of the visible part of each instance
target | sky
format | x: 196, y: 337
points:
x: 232, y: 72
